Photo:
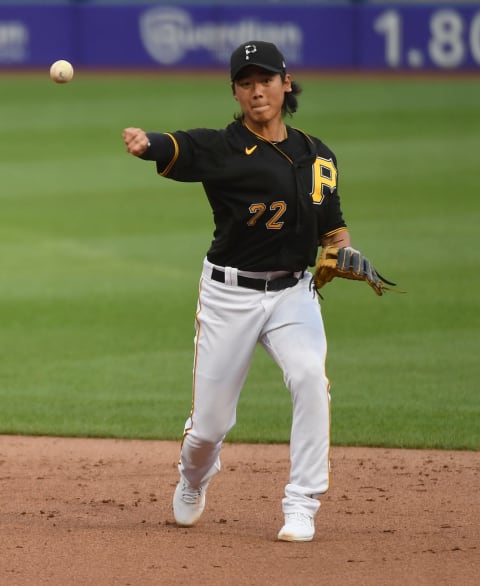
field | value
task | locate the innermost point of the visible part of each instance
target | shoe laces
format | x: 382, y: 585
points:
x: 191, y: 495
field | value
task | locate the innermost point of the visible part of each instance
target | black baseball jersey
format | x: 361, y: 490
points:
x: 271, y: 202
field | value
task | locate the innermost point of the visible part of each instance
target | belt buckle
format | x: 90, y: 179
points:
x: 267, y: 284
x: 287, y: 282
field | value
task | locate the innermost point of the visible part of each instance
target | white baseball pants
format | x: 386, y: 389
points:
x: 230, y: 321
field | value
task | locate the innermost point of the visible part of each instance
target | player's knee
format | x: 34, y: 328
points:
x: 309, y: 378
x: 210, y: 432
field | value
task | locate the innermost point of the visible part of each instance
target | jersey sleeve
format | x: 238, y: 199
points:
x: 333, y: 215
x: 161, y: 149
x: 193, y: 155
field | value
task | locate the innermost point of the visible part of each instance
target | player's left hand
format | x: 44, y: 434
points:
x: 347, y: 263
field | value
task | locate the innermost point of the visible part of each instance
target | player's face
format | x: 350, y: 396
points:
x: 260, y: 94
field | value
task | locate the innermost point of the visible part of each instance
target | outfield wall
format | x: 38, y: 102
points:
x: 385, y: 37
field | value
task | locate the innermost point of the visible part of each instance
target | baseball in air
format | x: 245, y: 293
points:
x: 61, y: 71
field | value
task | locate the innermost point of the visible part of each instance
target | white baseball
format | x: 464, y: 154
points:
x: 61, y: 71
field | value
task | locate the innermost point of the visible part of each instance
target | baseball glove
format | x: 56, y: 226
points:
x: 347, y: 263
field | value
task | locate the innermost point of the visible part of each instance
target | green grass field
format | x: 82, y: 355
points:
x: 100, y: 261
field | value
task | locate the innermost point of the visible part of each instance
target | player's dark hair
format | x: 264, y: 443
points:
x: 290, y: 102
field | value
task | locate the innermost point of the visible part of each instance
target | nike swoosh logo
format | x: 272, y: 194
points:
x: 249, y: 151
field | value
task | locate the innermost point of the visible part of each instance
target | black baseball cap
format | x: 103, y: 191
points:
x: 260, y: 53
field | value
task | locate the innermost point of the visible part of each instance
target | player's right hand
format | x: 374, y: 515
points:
x: 136, y: 141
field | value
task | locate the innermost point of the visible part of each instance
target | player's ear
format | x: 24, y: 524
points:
x: 287, y: 83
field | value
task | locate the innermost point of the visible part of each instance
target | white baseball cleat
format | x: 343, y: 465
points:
x: 298, y: 527
x: 188, y: 503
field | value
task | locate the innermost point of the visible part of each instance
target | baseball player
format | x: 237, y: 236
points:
x: 273, y: 193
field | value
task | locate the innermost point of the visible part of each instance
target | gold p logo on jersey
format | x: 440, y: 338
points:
x: 249, y: 151
x: 324, y: 179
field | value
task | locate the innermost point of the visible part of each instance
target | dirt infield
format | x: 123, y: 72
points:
x: 98, y: 512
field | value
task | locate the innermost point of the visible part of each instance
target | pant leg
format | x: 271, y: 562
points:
x: 228, y: 323
x: 295, y: 337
